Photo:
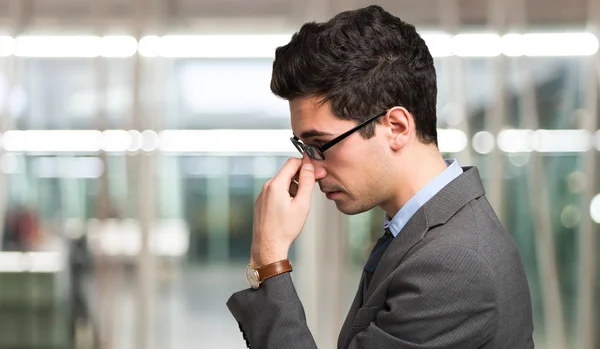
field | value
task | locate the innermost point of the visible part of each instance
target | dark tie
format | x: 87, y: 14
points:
x: 378, y: 251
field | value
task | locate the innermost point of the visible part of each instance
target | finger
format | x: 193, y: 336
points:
x: 268, y: 182
x: 265, y: 186
x: 287, y: 172
x: 294, y: 185
x: 306, y: 184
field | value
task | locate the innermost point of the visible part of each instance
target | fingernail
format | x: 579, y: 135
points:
x: 309, y: 167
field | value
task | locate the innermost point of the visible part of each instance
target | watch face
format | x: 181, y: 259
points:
x: 252, y: 276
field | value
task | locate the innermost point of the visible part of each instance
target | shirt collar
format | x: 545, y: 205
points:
x: 422, y: 196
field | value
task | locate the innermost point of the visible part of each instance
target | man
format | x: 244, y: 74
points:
x: 445, y: 274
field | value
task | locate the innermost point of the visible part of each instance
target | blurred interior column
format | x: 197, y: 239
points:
x: 218, y: 209
x: 9, y: 69
x: 321, y: 268
x: 147, y: 112
x: 5, y: 118
x: 106, y: 272
x: 496, y: 114
x: 586, y: 321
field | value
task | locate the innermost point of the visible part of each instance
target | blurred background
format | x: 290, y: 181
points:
x: 135, y: 136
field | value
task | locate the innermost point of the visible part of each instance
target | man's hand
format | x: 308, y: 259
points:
x: 280, y: 212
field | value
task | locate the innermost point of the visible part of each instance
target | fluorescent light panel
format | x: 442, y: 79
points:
x: 75, y: 46
x: 595, y: 209
x: 83, y: 141
x: 270, y: 141
x: 227, y: 141
x: 52, y: 141
x: 213, y: 46
x: 33, y: 262
x: 440, y: 45
x: 7, y: 46
x: 559, y: 141
x: 477, y: 45
x: 550, y: 44
x: 222, y: 141
x: 483, y: 142
x: 545, y: 141
x: 263, y: 46
x: 452, y: 140
x: 124, y: 238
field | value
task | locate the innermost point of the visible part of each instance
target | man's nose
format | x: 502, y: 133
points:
x: 320, y: 171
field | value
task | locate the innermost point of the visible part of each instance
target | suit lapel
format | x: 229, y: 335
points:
x: 410, y: 235
x: 435, y: 212
x: 351, y: 314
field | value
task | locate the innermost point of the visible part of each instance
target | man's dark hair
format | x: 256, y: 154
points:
x: 364, y: 62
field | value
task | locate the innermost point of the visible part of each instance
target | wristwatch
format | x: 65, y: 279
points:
x: 256, y: 275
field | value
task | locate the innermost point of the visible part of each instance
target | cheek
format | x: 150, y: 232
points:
x: 355, y: 152
x: 354, y: 166
x: 345, y: 160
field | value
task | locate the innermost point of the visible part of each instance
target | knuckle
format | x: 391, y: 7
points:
x: 291, y: 161
x: 268, y: 185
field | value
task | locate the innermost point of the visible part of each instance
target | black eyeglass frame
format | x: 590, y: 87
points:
x: 309, y: 149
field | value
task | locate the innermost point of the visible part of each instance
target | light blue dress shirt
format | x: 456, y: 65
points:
x: 422, y: 196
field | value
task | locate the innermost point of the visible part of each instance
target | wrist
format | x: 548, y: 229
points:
x: 257, y: 275
x: 258, y: 262
x: 260, y: 258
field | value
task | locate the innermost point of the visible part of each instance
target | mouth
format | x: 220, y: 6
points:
x: 332, y: 195
x: 332, y: 191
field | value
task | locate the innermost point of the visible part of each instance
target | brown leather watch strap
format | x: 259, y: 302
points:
x: 273, y: 269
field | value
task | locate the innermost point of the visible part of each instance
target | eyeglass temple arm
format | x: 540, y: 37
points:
x: 349, y: 132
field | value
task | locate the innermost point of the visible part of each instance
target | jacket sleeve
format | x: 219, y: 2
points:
x: 440, y: 297
x: 272, y: 316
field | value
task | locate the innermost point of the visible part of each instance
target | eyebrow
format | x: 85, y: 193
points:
x: 314, y: 133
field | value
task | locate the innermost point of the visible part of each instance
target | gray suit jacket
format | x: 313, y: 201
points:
x: 452, y: 278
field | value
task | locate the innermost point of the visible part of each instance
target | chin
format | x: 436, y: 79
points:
x: 351, y: 208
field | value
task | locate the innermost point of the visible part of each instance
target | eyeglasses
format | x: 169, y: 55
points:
x: 316, y: 152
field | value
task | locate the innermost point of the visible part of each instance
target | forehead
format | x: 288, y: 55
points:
x: 309, y: 114
x: 305, y: 109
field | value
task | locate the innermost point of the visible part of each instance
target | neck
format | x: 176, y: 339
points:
x: 418, y: 167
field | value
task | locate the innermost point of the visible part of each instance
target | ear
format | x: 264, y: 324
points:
x: 401, y: 126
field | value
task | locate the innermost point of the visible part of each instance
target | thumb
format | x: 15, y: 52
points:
x: 306, y: 184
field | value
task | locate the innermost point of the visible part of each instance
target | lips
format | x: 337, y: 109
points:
x: 328, y: 189
x: 331, y: 191
x: 333, y: 194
